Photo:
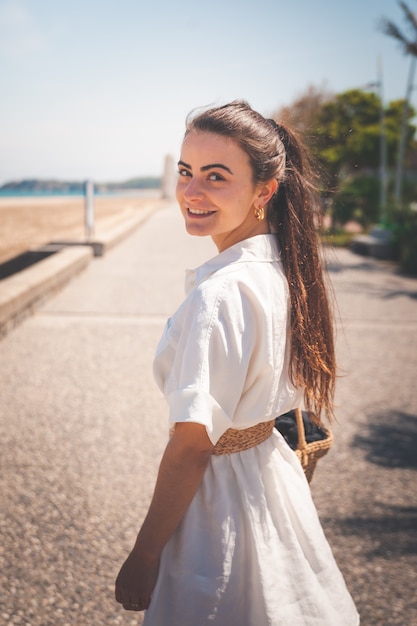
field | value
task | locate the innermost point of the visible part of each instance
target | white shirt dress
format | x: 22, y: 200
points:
x: 250, y: 550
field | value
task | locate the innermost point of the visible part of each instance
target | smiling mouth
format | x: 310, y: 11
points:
x: 199, y: 212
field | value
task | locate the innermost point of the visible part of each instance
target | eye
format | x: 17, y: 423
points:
x: 215, y: 177
x: 184, y: 172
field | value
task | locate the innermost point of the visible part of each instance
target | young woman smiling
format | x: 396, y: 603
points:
x: 216, y: 191
x: 232, y: 536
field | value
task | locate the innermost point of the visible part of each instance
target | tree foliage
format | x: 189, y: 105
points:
x: 407, y: 43
x: 357, y: 199
x: 348, y: 131
x: 302, y: 114
x: 343, y: 132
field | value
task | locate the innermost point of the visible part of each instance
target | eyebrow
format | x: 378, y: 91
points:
x: 208, y: 167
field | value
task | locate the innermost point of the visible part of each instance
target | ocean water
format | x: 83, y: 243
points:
x: 37, y: 193
x: 26, y: 193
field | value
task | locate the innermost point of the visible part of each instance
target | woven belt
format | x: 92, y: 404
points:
x: 234, y: 440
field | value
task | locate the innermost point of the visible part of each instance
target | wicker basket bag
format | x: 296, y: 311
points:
x: 310, y: 453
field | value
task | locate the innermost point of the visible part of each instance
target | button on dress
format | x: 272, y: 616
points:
x: 250, y: 550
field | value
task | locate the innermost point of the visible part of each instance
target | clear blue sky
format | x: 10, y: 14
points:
x: 100, y: 88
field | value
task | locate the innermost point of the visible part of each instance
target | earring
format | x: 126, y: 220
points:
x: 259, y: 213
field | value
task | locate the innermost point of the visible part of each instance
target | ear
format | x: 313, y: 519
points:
x: 266, y: 191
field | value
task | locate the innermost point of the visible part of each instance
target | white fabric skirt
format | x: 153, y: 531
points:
x: 250, y: 550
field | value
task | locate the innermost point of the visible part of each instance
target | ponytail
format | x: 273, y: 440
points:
x: 275, y: 152
x: 292, y: 215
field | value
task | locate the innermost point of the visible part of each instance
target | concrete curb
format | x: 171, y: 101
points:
x: 110, y: 238
x: 21, y: 293
x: 114, y: 236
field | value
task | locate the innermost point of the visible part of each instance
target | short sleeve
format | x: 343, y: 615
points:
x: 208, y: 349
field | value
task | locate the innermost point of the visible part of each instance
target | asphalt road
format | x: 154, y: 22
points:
x: 82, y: 428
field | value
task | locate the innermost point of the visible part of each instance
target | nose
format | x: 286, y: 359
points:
x: 193, y: 190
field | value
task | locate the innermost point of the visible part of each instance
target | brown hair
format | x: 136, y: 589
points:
x: 275, y: 152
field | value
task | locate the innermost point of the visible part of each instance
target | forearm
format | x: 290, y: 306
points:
x: 180, y: 474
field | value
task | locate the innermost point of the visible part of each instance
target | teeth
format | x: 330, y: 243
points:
x: 199, y: 212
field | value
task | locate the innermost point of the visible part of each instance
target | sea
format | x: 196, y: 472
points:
x: 38, y: 193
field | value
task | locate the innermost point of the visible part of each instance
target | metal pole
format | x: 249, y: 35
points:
x: 403, y: 135
x: 383, y: 145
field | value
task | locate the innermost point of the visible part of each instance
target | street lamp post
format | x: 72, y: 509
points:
x: 383, y: 145
x: 403, y: 133
x: 379, y: 85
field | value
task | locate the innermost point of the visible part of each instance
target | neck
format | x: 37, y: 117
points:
x: 222, y: 242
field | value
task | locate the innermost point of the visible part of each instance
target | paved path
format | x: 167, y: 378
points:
x: 82, y: 427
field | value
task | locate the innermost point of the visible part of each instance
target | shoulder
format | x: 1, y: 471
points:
x: 232, y: 294
x: 241, y: 289
x: 243, y: 280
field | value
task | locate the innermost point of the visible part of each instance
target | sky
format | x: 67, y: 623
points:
x: 100, y: 89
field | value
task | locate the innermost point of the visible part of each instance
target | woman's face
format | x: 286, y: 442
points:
x: 215, y: 190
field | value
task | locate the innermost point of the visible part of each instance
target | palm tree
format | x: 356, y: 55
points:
x: 409, y: 46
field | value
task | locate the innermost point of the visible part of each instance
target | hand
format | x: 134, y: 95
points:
x: 136, y: 581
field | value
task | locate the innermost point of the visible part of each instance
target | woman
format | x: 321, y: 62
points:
x: 232, y: 536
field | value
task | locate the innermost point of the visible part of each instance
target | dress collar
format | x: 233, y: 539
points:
x: 260, y: 248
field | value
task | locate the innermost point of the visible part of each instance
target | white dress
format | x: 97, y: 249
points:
x: 250, y: 550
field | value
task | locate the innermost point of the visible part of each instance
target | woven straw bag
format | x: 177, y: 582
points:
x: 310, y: 453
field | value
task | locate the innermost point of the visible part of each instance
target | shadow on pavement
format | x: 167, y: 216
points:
x: 372, y: 267
x: 390, y: 440
x: 336, y: 267
x: 398, y: 294
x: 389, y: 535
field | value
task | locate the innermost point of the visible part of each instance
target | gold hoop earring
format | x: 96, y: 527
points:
x: 259, y: 214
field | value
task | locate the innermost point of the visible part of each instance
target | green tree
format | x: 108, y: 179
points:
x: 343, y: 130
x: 393, y: 120
x: 357, y: 199
x: 349, y: 132
x: 344, y: 133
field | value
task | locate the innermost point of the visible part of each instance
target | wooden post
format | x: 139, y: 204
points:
x: 169, y: 179
x: 89, y: 209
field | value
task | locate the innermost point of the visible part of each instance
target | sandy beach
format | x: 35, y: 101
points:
x: 27, y: 223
